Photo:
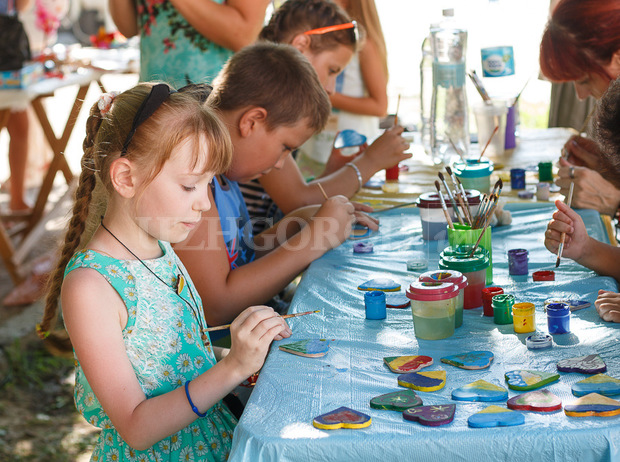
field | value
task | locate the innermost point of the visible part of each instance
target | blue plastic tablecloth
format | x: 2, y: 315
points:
x: 292, y: 390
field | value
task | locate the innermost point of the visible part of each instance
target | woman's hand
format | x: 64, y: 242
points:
x: 566, y: 220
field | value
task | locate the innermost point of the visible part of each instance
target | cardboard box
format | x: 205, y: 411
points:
x: 21, y: 78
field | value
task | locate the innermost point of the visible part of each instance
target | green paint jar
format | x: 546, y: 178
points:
x: 502, y: 308
x: 545, y: 171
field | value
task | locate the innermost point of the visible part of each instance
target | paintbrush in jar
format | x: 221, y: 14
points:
x: 452, y: 200
x: 443, y: 205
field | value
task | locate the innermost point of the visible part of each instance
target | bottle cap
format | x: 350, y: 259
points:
x: 432, y: 291
x: 538, y: 341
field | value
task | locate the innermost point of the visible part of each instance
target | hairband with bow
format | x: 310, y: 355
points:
x: 105, y: 102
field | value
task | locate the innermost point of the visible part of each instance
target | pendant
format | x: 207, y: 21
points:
x: 180, y: 284
x: 205, y: 340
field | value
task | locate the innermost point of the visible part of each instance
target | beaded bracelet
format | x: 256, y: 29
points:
x: 189, y: 399
x: 358, y: 173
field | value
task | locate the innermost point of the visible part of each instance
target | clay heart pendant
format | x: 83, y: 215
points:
x: 404, y: 364
x: 397, y: 301
x: 472, y: 360
x: 310, y: 348
x: 535, y: 401
x: 431, y: 416
x: 593, y: 405
x: 423, y: 381
x: 495, y: 416
x: 343, y: 417
x: 480, y: 390
x: 599, y: 383
x: 396, y: 401
x: 384, y: 284
x: 591, y: 364
x: 529, y: 380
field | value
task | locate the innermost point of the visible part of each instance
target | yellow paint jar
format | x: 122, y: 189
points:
x: 524, y: 317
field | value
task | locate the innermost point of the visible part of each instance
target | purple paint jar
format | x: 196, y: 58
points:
x: 517, y: 262
x: 517, y: 178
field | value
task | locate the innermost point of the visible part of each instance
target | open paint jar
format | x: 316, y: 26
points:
x: 474, y: 174
x: 502, y: 308
x: 523, y: 317
x: 487, y: 296
x: 558, y: 318
x: 456, y: 278
x: 473, y: 267
x: 433, y: 305
x: 433, y: 220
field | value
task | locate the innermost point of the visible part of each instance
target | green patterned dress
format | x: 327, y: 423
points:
x: 162, y: 340
x: 172, y: 50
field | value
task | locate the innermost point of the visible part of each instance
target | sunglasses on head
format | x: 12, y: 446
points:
x: 158, y: 95
x: 347, y: 25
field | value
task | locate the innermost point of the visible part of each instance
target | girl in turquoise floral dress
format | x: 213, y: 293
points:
x: 146, y: 373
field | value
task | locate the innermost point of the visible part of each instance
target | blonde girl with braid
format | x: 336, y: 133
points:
x: 146, y: 374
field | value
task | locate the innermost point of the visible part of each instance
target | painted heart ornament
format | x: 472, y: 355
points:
x: 495, y: 416
x: 472, y: 360
x: 343, y: 417
x: 431, y: 416
x: 535, y: 401
x: 423, y: 381
x: 590, y: 364
x: 405, y: 364
x: 384, y: 284
x: 396, y: 401
x: 480, y: 390
x: 602, y: 384
x: 593, y: 405
x: 524, y: 380
x: 310, y: 348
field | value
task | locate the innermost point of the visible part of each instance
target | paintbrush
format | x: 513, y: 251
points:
x: 397, y: 206
x: 286, y: 316
x: 461, y: 192
x: 519, y: 94
x: 452, y: 200
x: 479, y: 86
x: 488, y: 142
x: 455, y: 147
x: 487, y: 221
x: 323, y: 191
x: 563, y: 235
x: 443, y: 205
x: 396, y: 113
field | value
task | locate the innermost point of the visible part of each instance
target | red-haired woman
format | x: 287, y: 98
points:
x: 581, y: 44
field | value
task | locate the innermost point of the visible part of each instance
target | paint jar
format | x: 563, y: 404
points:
x: 517, y: 178
x: 517, y: 262
x: 487, y: 295
x: 558, y: 318
x: 523, y: 317
x: 433, y: 219
x: 543, y: 275
x: 375, y: 304
x: 502, y: 308
x: 433, y: 305
x: 545, y: 172
x: 473, y: 267
x: 543, y: 191
x: 474, y: 174
x: 463, y: 234
x: 456, y: 278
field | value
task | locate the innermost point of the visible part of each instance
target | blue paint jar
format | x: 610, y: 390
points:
x: 558, y: 318
x: 375, y: 304
x: 517, y: 262
x: 517, y: 178
x: 474, y: 175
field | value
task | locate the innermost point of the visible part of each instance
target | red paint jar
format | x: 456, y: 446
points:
x: 543, y: 275
x: 487, y: 295
x: 391, y: 174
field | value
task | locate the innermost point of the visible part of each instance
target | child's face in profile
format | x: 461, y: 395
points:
x: 171, y: 205
x: 266, y: 149
x: 329, y: 63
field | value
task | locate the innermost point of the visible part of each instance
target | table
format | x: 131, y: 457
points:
x: 291, y: 390
x: 33, y: 95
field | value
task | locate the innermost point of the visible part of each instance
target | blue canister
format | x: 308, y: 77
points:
x: 375, y: 304
x: 558, y: 318
x: 517, y: 178
x: 474, y: 174
x: 517, y: 262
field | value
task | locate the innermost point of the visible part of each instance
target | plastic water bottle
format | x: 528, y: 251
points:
x: 449, y: 123
x: 497, y: 53
x: 426, y: 94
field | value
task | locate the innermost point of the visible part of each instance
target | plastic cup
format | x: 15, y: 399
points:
x: 455, y: 278
x: 488, y: 116
x: 463, y: 234
x: 433, y: 305
x: 473, y: 268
